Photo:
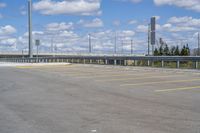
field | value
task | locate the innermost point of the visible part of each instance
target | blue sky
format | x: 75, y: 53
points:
x: 65, y: 24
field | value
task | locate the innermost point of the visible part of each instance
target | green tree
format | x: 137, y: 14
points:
x: 177, y: 52
x: 185, y: 51
x: 188, y: 50
x: 166, y: 50
x: 172, y: 50
x: 156, y: 53
x: 160, y: 51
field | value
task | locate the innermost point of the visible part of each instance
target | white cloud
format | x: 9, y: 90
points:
x: 75, y: 7
x: 59, y: 26
x: 116, y: 22
x: 188, y: 4
x: 7, y: 30
x: 95, y: 23
x: 1, y: 16
x: 132, y: 22
x: 185, y: 21
x: 142, y: 28
x: 2, y: 5
x: 134, y: 1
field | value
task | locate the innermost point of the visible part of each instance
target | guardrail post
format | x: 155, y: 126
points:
x: 196, y: 64
x: 106, y: 62
x: 90, y: 61
x: 162, y: 63
x: 152, y: 63
x: 125, y: 62
x: 135, y: 62
x: 148, y: 63
x: 115, y: 62
x: 178, y: 64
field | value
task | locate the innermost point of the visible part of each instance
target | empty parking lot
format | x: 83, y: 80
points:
x: 103, y: 99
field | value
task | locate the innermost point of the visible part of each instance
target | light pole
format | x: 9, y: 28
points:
x: 115, y: 47
x: 30, y: 28
x: 198, y: 44
x: 90, y: 45
x: 149, y: 38
x: 131, y: 47
x: 37, y: 43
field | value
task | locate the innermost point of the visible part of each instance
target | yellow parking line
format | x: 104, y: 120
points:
x: 116, y: 75
x: 178, y: 89
x: 44, y: 66
x: 160, y: 82
x: 24, y: 67
x: 124, y: 79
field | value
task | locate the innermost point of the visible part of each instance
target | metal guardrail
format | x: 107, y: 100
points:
x: 110, y: 60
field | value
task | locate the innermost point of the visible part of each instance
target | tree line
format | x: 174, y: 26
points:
x: 164, y: 50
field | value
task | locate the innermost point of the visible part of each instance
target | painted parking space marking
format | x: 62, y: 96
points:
x: 117, y: 75
x: 160, y: 82
x: 177, y: 89
x: 124, y: 79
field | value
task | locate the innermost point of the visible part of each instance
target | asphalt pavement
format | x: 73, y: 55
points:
x: 98, y: 99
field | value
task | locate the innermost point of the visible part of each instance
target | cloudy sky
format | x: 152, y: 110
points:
x: 65, y: 24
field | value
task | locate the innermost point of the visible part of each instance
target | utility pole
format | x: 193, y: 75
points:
x: 131, y: 47
x: 30, y: 28
x: 90, y: 45
x: 37, y: 43
x: 52, y: 47
x: 122, y: 47
x: 149, y: 36
x: 115, y: 43
x: 198, y: 44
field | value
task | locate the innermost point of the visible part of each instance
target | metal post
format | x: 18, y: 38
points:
x: 90, y: 45
x: 196, y: 65
x: 135, y: 62
x: 149, y: 34
x: 106, y: 62
x: 122, y: 47
x: 125, y: 62
x: 198, y: 44
x: 178, y: 64
x: 115, y: 43
x: 131, y: 47
x: 162, y: 63
x: 30, y: 28
x: 115, y: 62
x: 148, y: 63
x: 37, y: 53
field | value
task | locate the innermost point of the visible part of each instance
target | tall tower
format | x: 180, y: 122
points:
x: 153, y: 33
x: 30, y: 28
x: 198, y: 44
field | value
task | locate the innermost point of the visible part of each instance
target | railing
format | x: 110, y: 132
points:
x: 153, y: 61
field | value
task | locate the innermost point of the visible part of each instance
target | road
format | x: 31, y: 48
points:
x: 101, y: 99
